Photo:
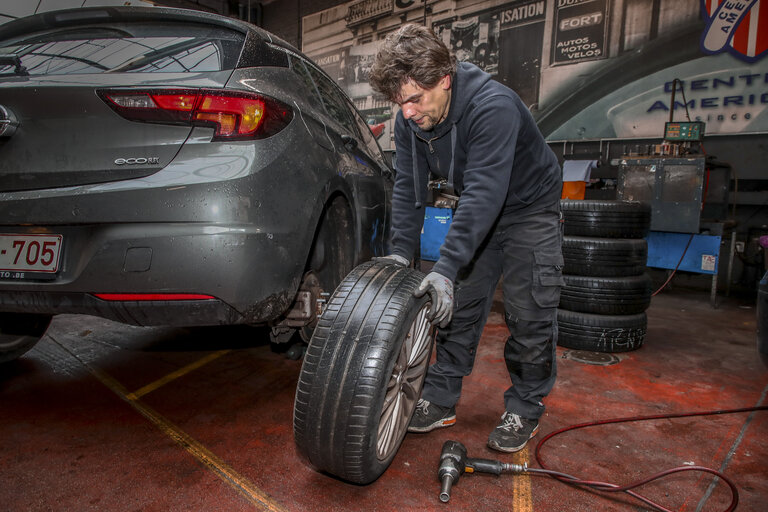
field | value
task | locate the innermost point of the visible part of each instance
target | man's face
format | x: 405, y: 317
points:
x: 426, y: 107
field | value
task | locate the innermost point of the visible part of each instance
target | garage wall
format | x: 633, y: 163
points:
x: 597, y: 74
x: 588, y: 69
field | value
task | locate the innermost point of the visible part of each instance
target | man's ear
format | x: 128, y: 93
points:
x: 446, y: 82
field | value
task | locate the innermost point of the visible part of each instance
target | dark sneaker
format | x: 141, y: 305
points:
x: 513, y: 433
x: 429, y: 416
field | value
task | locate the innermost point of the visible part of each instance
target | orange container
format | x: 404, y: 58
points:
x: 574, y: 189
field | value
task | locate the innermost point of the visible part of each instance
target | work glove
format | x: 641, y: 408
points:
x: 440, y: 290
x: 392, y: 259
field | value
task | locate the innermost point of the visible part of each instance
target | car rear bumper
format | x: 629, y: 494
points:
x: 251, y: 275
x: 142, y: 313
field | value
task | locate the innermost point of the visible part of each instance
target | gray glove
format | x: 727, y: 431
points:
x: 393, y: 259
x: 440, y: 290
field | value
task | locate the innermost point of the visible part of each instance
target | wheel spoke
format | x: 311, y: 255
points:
x: 421, y: 339
x: 389, y: 431
x: 413, y: 374
x: 404, y: 386
x: 418, y: 356
x: 392, y: 391
x: 402, y: 357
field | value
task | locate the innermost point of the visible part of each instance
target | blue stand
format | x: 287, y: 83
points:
x: 702, y: 255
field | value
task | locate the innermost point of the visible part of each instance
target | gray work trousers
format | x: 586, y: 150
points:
x: 527, y: 250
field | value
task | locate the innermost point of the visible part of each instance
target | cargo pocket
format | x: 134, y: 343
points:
x: 547, y: 277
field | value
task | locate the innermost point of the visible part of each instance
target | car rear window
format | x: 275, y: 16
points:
x: 125, y: 48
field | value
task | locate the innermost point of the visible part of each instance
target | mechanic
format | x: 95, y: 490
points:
x: 458, y: 124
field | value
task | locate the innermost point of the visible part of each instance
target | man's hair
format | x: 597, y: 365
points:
x: 412, y: 52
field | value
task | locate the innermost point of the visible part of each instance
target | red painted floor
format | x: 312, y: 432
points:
x: 217, y: 435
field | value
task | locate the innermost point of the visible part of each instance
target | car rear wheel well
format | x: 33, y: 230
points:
x: 333, y: 254
x: 334, y: 247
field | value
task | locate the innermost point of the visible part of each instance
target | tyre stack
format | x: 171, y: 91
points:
x: 606, y: 292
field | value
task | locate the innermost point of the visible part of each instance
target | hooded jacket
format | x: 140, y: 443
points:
x: 490, y: 149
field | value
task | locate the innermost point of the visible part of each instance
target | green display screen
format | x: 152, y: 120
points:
x: 686, y: 131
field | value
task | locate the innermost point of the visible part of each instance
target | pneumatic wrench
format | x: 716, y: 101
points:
x: 454, y: 462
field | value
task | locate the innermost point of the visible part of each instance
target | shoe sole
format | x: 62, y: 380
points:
x: 445, y: 422
x: 512, y: 449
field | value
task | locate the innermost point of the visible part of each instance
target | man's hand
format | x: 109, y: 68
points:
x: 393, y: 259
x: 440, y: 290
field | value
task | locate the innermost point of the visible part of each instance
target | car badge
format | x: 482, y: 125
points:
x: 152, y: 160
x: 8, y: 122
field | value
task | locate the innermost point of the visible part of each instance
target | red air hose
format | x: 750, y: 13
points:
x: 609, y: 487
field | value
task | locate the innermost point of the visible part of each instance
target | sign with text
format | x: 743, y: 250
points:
x: 521, y: 14
x: 579, y: 31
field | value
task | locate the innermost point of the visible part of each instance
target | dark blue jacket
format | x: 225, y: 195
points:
x: 490, y: 148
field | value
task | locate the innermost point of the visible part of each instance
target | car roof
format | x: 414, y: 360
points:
x: 89, y: 15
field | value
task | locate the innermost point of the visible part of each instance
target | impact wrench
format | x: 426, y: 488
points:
x: 454, y: 462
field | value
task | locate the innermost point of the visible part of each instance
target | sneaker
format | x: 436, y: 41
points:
x: 429, y: 416
x: 513, y: 433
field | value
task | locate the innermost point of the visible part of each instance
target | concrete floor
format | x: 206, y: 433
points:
x: 102, y: 416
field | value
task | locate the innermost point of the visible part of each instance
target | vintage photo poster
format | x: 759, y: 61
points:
x: 522, y: 35
x: 580, y: 31
x: 475, y: 40
x: 515, y: 31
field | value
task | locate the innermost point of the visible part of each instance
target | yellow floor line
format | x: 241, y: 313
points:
x: 522, y: 500
x: 220, y: 468
x: 197, y: 450
x: 175, y: 375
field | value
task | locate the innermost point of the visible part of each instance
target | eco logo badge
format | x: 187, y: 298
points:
x: 738, y: 26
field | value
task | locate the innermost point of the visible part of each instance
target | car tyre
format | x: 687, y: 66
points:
x: 19, y: 332
x: 606, y: 295
x: 604, y: 257
x: 606, y: 219
x: 363, y: 372
x: 601, y: 333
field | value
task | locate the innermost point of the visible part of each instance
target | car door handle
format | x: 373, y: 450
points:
x: 349, y: 142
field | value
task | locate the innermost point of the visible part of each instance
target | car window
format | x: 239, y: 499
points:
x: 298, y: 67
x: 333, y: 99
x: 191, y: 50
x: 370, y: 141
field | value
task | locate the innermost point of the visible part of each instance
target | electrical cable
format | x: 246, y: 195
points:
x: 676, y: 267
x: 609, y: 487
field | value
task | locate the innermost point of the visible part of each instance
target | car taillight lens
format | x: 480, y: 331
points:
x: 232, y: 115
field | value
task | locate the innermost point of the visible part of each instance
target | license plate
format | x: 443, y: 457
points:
x: 29, y: 253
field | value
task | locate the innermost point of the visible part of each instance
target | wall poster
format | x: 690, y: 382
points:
x: 514, y: 30
x: 580, y: 31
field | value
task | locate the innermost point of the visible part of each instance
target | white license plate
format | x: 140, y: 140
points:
x: 29, y: 253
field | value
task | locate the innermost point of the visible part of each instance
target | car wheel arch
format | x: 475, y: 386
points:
x: 338, y: 188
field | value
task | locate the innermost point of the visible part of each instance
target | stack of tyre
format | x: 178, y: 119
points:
x: 606, y: 292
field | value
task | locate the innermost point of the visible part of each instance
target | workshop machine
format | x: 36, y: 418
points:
x: 688, y: 192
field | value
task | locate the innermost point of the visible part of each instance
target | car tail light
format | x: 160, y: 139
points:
x: 152, y: 296
x: 232, y: 115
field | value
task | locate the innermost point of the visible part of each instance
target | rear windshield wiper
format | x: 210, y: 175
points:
x: 14, y: 60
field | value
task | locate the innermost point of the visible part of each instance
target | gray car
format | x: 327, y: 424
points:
x: 171, y: 167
